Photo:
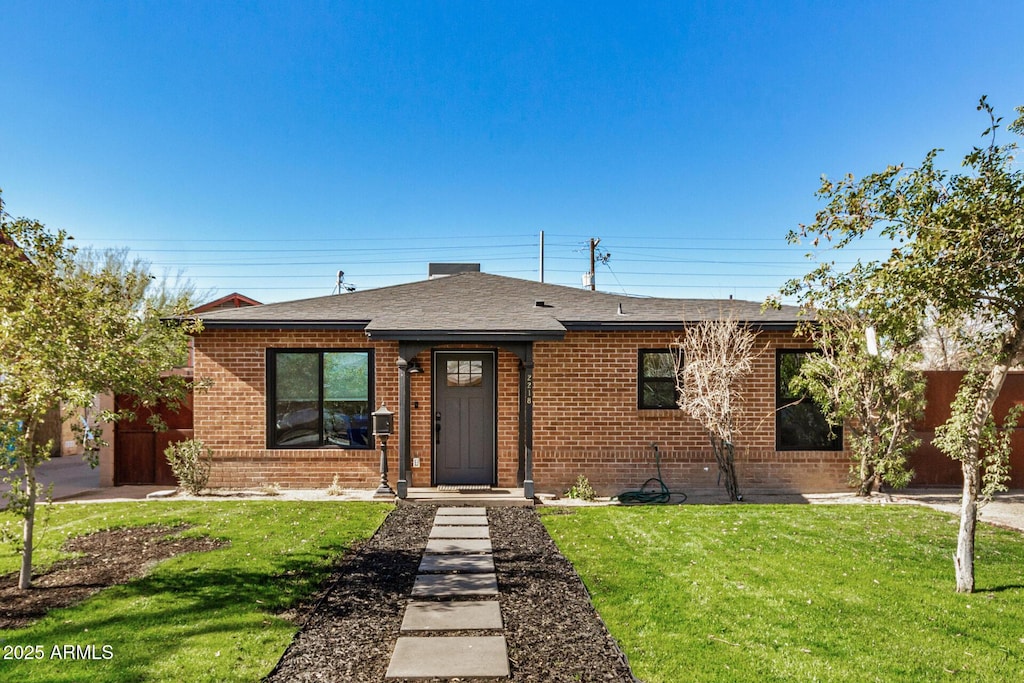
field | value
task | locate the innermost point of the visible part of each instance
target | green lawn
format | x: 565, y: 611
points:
x: 198, y: 617
x: 798, y: 592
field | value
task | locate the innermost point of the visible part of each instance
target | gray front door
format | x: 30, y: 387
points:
x: 464, y: 418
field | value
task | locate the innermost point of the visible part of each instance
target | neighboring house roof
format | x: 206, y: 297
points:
x: 233, y: 300
x: 7, y: 241
x: 474, y: 305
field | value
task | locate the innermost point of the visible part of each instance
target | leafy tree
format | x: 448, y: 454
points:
x: 958, y: 246
x: 876, y: 395
x: 713, y: 359
x: 68, y: 331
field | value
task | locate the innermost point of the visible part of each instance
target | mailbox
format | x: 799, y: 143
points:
x: 383, y: 421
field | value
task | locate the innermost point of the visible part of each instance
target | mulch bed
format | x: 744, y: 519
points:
x: 109, y: 558
x: 552, y: 630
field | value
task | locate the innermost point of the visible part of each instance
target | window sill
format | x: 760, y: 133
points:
x: 330, y: 447
x: 657, y: 413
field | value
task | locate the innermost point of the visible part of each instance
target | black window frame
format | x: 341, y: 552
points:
x: 784, y: 402
x: 643, y: 380
x: 271, y: 397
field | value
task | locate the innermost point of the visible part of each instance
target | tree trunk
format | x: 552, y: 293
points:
x: 963, y: 561
x: 29, y: 522
x: 867, y: 478
x: 725, y: 455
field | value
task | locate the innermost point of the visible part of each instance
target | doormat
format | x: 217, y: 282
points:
x: 463, y: 488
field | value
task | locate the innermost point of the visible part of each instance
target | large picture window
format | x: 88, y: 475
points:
x: 320, y: 398
x: 656, y: 380
x: 799, y: 423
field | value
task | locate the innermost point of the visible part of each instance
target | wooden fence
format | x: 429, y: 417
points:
x: 139, y: 451
x: 931, y: 466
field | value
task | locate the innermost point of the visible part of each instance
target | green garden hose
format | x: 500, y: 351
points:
x: 654, y: 491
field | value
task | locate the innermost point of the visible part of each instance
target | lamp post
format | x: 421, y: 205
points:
x: 383, y: 424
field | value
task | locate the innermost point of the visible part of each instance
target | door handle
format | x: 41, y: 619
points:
x: 437, y: 428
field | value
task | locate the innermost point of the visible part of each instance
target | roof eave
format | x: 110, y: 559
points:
x: 664, y: 326
x: 345, y: 325
x: 455, y: 336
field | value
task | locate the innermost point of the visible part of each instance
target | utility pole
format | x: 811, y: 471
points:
x: 589, y: 278
x: 542, y: 256
x: 594, y: 241
x: 343, y: 286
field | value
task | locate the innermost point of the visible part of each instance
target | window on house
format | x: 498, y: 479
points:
x: 320, y: 398
x: 656, y: 385
x: 799, y: 423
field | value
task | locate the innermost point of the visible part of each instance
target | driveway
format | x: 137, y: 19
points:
x: 1005, y: 509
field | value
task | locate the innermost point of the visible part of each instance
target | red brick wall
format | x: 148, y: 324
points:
x: 585, y: 418
x: 586, y: 421
x: 231, y: 417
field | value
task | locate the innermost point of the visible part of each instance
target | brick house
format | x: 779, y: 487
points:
x: 493, y: 381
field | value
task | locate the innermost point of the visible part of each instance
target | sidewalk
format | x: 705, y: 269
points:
x: 74, y: 480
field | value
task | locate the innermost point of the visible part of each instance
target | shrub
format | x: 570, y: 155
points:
x: 190, y: 461
x: 581, y: 490
x: 335, y: 489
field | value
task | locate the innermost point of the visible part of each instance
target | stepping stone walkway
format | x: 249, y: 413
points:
x: 456, y: 571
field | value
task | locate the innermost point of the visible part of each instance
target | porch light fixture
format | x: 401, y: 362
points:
x: 383, y: 422
x: 414, y: 367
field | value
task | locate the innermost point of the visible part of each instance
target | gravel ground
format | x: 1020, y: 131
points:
x: 553, y: 632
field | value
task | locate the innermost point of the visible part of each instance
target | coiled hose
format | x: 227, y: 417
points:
x: 654, y: 491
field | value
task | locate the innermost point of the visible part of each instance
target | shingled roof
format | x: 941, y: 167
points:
x: 473, y: 305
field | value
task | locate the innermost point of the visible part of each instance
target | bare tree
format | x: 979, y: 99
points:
x: 712, y: 359
x: 947, y: 346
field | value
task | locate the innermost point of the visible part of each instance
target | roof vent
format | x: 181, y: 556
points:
x: 620, y: 309
x: 436, y: 270
x: 541, y: 304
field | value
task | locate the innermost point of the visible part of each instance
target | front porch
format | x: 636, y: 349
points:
x: 469, y: 497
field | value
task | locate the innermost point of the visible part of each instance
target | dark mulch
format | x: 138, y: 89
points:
x: 352, y: 631
x: 552, y: 630
x: 108, y: 558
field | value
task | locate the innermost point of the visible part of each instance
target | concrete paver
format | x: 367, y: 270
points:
x: 460, y: 532
x: 449, y: 657
x: 454, y: 520
x: 461, y: 512
x: 471, y: 564
x: 452, y: 616
x: 454, y: 585
x: 458, y: 545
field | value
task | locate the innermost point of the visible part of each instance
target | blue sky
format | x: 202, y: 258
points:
x: 262, y: 147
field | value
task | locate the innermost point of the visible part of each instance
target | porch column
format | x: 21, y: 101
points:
x: 404, y: 426
x: 526, y: 401
x: 407, y: 350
